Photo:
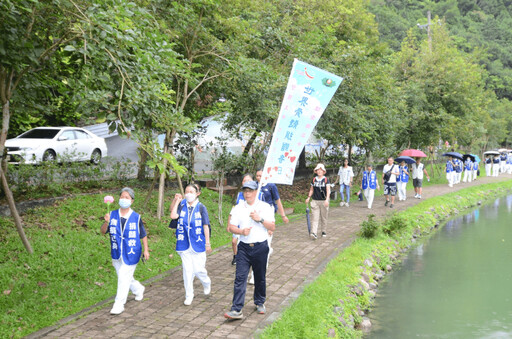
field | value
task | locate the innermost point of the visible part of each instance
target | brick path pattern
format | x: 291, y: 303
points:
x: 296, y: 261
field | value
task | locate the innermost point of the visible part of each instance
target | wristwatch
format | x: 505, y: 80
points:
x: 261, y: 220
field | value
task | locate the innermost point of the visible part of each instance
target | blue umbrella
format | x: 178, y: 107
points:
x: 477, y: 158
x: 408, y: 160
x: 453, y: 154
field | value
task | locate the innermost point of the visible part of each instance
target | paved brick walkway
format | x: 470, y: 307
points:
x: 296, y: 261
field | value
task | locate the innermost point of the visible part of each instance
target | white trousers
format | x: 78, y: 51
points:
x: 194, y: 265
x: 450, y: 176
x: 402, y: 190
x: 495, y: 170
x: 475, y: 172
x: 458, y: 176
x: 488, y: 168
x: 503, y: 165
x: 369, y: 194
x: 468, y: 175
x: 125, y: 281
x: 509, y: 168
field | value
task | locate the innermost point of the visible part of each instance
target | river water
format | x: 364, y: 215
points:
x: 457, y: 284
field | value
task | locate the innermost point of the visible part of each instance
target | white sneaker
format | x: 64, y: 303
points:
x: 419, y: 196
x: 342, y: 203
x: 140, y: 296
x: 117, y: 309
x: 208, y: 289
x: 416, y: 195
x: 347, y: 204
x: 188, y: 301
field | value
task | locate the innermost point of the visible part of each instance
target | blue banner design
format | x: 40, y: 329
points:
x: 309, y: 91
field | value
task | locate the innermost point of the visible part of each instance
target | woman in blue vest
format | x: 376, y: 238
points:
x: 468, y: 170
x: 192, y: 240
x: 126, y: 232
x: 368, y: 184
x: 488, y: 165
x: 495, y: 166
x: 475, y: 169
x: 404, y: 179
x: 450, y: 172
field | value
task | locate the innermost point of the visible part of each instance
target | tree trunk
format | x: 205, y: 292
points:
x: 249, y: 143
x: 141, y: 172
x: 5, y: 184
x: 349, y: 157
x: 302, y: 158
x: 161, y: 185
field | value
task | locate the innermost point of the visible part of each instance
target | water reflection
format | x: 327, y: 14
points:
x: 456, y: 285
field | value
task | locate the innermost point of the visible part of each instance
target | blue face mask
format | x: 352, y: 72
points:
x: 125, y: 203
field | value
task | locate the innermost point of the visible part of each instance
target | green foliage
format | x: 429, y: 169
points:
x: 50, y: 179
x: 394, y: 225
x: 369, y: 228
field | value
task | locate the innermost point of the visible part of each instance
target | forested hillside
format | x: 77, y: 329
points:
x: 473, y: 24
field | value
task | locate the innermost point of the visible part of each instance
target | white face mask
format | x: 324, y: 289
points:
x: 125, y: 203
x: 190, y: 197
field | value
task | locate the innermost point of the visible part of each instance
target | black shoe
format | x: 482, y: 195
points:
x: 233, y: 262
x: 387, y: 202
x: 324, y: 234
x: 391, y: 206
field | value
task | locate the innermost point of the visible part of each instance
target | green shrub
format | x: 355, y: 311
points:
x: 394, y: 224
x: 369, y: 228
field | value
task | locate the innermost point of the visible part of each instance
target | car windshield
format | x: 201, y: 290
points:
x: 40, y: 134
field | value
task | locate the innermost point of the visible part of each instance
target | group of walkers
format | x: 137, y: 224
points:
x: 252, y: 223
x: 498, y: 164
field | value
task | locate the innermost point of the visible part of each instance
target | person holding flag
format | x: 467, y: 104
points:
x: 252, y: 219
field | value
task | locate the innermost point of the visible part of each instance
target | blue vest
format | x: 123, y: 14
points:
x: 496, y: 160
x: 369, y: 179
x: 403, y: 176
x: 190, y: 233
x: 475, y: 166
x: 503, y: 157
x: 126, y: 244
x: 488, y: 161
x: 469, y: 164
x: 449, y: 166
x: 458, y: 165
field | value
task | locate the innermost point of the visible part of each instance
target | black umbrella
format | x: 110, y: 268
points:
x: 408, y: 160
x: 308, y: 220
x: 470, y: 156
x: 453, y: 155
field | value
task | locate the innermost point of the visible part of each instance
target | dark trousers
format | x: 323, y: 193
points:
x: 255, y: 256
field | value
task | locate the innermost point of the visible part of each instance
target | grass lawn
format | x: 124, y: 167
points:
x: 71, y: 268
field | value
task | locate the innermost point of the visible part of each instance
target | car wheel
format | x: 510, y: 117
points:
x: 49, y: 155
x: 95, y: 157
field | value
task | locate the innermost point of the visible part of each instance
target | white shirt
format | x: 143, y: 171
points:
x: 346, y: 175
x: 387, y: 168
x: 417, y: 172
x: 240, y: 217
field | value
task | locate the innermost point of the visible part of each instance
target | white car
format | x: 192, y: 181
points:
x: 56, y: 143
